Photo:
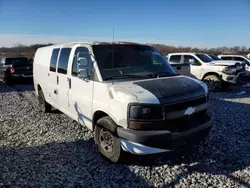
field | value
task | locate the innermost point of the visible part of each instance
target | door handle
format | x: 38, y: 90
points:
x: 69, y: 80
x: 55, y: 91
x: 178, y: 68
x: 57, y: 80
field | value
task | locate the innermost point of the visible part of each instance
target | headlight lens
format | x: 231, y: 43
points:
x: 145, y: 112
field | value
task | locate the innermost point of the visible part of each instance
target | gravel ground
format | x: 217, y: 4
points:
x: 50, y: 150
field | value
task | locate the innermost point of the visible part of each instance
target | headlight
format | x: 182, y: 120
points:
x: 233, y: 69
x: 229, y: 70
x: 145, y: 112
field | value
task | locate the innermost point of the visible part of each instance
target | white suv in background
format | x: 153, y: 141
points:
x: 213, y: 73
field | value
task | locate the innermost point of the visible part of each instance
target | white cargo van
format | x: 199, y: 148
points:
x: 126, y: 93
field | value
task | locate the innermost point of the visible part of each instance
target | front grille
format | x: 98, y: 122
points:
x: 185, y: 104
x: 182, y: 123
x: 179, y: 125
x: 187, y: 122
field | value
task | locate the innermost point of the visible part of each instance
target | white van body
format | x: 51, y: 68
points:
x: 86, y: 100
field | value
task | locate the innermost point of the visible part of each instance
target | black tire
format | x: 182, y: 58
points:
x: 213, y: 82
x: 108, y: 143
x: 225, y: 85
x: 44, y: 106
x: 7, y: 80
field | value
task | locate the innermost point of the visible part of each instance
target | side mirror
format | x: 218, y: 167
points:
x: 194, y: 62
x: 83, y: 67
x: 83, y: 62
x: 83, y: 73
x: 191, y: 61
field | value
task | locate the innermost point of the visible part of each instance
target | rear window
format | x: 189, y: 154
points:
x: 53, y: 60
x: 63, y: 60
x: 175, y: 59
x: 15, y: 61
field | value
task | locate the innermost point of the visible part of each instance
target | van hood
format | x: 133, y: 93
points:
x: 223, y: 63
x: 158, y: 90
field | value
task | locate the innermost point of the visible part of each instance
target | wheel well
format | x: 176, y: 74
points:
x: 39, y: 88
x: 211, y: 73
x: 98, y: 115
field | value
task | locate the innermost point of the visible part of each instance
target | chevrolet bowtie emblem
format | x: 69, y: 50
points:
x: 189, y: 111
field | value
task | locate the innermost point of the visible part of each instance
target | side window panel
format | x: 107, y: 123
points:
x: 63, y: 60
x: 175, y: 59
x: 53, y: 60
x: 238, y: 59
x: 226, y: 58
x: 74, y: 71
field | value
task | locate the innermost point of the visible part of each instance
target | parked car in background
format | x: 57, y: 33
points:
x: 126, y: 93
x: 180, y: 64
x: 214, y: 73
x: 13, y: 68
x: 248, y: 56
x: 241, y: 59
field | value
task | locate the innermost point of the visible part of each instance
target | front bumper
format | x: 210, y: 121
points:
x: 232, y: 78
x: 148, y: 142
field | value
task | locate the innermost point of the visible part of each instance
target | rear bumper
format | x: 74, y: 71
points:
x: 148, y: 142
x: 21, y: 76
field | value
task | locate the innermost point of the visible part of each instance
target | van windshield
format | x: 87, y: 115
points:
x: 118, y: 60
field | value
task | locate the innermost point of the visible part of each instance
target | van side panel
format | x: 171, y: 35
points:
x: 42, y: 75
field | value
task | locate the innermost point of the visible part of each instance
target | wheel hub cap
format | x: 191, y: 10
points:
x: 106, y: 140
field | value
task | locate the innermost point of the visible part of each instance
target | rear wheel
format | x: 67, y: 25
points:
x: 44, y: 106
x: 107, y: 141
x: 213, y: 82
x: 7, y: 79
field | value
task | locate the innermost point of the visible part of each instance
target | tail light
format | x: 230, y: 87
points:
x: 12, y: 70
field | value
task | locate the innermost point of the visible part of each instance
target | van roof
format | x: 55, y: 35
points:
x: 93, y: 43
x: 182, y: 53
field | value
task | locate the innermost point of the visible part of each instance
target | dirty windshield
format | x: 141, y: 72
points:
x: 124, y: 61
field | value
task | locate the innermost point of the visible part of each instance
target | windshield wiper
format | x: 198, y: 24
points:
x: 161, y: 74
x: 125, y: 75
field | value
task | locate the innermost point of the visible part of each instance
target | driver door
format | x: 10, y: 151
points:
x: 196, y: 68
x: 81, y: 90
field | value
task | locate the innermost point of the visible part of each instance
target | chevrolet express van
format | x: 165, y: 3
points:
x: 126, y: 93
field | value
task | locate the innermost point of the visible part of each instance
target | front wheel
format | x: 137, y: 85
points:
x: 108, y: 143
x: 213, y: 82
